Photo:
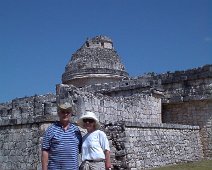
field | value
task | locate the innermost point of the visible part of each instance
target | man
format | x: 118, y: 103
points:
x: 61, y: 142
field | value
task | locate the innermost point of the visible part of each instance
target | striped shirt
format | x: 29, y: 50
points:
x: 63, y: 146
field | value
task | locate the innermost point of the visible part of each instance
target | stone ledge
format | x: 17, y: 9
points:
x: 38, y: 119
x: 187, y: 75
x: 180, y: 99
x: 159, y: 126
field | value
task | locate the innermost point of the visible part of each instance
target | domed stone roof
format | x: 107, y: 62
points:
x: 95, y: 62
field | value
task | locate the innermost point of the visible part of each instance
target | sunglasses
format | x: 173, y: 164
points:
x: 65, y: 112
x: 88, y: 120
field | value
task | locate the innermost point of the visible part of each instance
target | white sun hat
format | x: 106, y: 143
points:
x: 88, y: 115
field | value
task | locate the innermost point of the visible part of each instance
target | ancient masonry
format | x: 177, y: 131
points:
x: 152, y: 120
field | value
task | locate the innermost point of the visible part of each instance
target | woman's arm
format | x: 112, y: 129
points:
x: 44, y: 159
x: 107, y: 159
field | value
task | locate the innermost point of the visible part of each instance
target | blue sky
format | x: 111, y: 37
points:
x: 38, y: 37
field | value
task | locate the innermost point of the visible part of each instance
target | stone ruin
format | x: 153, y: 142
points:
x: 152, y: 120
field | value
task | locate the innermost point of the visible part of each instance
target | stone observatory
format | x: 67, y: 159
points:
x: 95, y: 62
x: 152, y: 120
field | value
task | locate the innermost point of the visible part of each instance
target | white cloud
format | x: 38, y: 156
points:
x: 208, y: 39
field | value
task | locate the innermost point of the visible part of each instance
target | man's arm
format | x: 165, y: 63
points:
x: 107, y: 160
x: 45, y: 159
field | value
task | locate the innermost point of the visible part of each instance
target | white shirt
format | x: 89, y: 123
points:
x: 94, y: 144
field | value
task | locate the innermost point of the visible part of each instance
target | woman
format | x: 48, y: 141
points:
x: 95, y: 146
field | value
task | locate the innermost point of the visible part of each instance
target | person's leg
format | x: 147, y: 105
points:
x: 85, y: 166
x: 97, y: 165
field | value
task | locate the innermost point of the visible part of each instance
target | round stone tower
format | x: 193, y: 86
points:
x: 95, y: 62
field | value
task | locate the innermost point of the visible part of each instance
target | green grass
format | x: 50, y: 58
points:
x: 200, y: 165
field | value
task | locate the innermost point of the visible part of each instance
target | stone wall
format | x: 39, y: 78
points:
x: 20, y: 144
x: 138, y: 107
x: 133, y: 145
x: 126, y: 87
x: 19, y: 147
x: 130, y: 113
x: 21, y: 129
x: 194, y: 84
x: 188, y: 100
x: 192, y: 113
x: 23, y: 122
x: 139, y: 146
x: 143, y: 108
x: 187, y: 97
x: 128, y: 139
x: 24, y: 110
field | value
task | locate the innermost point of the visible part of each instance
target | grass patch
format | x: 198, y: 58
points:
x: 199, y: 165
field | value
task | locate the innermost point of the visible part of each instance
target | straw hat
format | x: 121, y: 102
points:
x: 88, y: 115
x: 65, y: 106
